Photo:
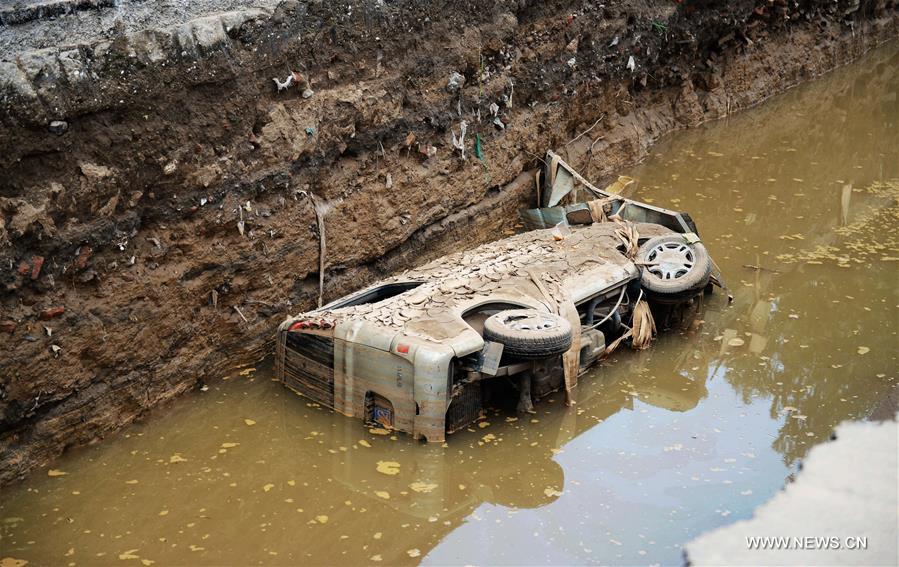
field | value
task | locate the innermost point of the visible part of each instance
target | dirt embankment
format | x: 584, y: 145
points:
x: 155, y: 218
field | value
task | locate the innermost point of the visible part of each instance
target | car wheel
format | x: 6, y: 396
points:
x: 673, y: 267
x: 528, y: 333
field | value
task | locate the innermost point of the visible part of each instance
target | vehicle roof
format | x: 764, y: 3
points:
x: 511, y: 270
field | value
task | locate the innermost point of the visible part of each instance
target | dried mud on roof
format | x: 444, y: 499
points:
x: 496, y: 272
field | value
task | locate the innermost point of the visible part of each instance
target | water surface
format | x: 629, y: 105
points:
x: 796, y: 200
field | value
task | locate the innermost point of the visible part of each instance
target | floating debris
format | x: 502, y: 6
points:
x: 422, y: 486
x: 869, y: 237
x: 388, y: 467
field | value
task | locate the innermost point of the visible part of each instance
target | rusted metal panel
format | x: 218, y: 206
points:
x: 465, y: 408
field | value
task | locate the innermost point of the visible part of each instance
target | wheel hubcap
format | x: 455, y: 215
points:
x: 670, y: 260
x: 529, y: 323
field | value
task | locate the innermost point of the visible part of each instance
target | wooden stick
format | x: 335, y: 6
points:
x: 760, y: 268
x: 575, y: 139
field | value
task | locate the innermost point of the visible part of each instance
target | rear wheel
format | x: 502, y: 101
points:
x: 528, y: 333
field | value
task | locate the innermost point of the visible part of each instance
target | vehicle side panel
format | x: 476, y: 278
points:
x: 364, y: 370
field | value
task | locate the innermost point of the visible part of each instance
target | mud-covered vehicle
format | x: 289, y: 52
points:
x: 511, y: 321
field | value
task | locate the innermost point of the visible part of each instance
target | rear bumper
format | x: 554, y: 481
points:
x: 410, y: 375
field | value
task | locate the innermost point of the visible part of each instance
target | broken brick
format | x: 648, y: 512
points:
x: 8, y: 326
x: 37, y: 262
x: 48, y: 314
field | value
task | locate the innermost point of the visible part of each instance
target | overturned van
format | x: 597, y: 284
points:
x: 426, y: 351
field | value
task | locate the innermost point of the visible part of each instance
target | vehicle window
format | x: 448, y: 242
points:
x: 376, y: 294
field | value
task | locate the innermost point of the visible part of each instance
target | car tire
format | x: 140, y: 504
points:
x: 672, y: 267
x: 529, y: 333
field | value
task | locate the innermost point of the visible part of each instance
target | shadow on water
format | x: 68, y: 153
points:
x: 662, y: 445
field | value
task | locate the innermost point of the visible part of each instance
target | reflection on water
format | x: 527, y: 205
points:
x: 662, y: 445
x: 798, y: 203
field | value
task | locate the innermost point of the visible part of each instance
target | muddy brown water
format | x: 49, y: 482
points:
x: 662, y: 445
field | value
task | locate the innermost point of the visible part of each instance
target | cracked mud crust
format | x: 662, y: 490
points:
x: 501, y: 271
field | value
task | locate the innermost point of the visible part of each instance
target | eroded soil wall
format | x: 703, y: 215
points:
x: 157, y: 219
